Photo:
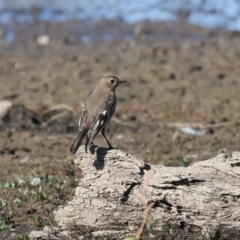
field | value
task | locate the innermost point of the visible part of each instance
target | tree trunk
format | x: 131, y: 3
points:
x: 115, y: 186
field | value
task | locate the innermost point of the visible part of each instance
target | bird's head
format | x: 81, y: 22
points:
x: 111, y: 82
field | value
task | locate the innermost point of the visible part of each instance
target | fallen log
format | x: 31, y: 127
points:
x: 115, y: 187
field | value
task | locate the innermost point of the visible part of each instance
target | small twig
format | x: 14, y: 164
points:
x: 32, y: 114
x: 59, y: 106
x: 145, y: 215
x: 53, y: 118
x: 182, y: 125
x: 147, y: 207
x: 175, y: 136
x: 144, y: 189
x: 30, y: 170
x: 171, y: 124
x: 71, y: 136
x: 125, y: 124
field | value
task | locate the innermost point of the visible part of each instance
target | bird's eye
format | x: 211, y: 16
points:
x: 112, y: 81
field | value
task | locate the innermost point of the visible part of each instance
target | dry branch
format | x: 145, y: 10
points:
x: 108, y: 200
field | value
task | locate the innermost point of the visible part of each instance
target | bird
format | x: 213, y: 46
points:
x: 97, y: 112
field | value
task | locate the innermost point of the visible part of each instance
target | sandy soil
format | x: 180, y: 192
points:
x: 178, y: 75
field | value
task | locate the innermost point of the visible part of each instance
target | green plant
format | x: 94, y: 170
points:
x: 149, y: 227
x: 2, y: 224
x: 23, y: 237
x: 17, y: 201
x: 167, y: 163
x: 222, y: 150
x: 2, y: 203
x: 6, y: 185
x: 38, y: 199
x: 183, y: 161
x: 171, y: 231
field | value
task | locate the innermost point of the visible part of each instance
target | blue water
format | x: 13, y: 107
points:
x: 223, y: 14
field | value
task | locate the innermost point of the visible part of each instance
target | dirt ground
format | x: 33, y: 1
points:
x: 178, y: 76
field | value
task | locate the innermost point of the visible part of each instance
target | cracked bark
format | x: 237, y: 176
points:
x: 109, y: 201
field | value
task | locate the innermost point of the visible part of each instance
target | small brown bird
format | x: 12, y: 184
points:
x: 97, y: 112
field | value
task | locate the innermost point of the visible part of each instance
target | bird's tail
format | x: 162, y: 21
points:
x: 76, y: 144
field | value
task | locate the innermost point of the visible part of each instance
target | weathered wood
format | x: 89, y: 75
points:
x: 109, y: 198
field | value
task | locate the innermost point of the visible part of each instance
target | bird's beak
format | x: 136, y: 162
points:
x: 121, y: 81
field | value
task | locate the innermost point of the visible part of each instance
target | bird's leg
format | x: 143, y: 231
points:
x: 86, y: 145
x: 109, y: 144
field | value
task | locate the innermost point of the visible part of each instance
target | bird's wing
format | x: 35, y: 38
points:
x: 83, y: 127
x: 82, y: 119
x: 100, y: 122
x: 110, y: 112
x: 97, y: 123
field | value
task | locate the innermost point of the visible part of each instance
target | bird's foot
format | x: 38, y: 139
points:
x: 110, y: 147
x: 87, y: 147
